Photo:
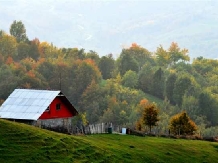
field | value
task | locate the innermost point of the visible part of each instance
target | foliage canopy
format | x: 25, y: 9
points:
x: 182, y: 124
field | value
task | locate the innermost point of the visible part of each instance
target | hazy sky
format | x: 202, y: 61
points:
x: 108, y: 26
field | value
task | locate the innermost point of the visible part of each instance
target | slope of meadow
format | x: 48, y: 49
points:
x: 23, y: 143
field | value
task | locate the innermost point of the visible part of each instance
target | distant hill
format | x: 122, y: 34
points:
x: 108, y: 26
x: 23, y: 143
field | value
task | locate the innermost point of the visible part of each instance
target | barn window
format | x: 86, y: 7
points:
x: 48, y: 108
x: 58, y: 106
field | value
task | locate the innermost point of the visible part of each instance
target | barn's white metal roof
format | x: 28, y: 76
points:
x: 27, y: 104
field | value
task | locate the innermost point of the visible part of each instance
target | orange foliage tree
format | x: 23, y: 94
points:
x: 149, y: 115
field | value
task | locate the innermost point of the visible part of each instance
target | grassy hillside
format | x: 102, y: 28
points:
x: 152, y: 98
x: 23, y: 143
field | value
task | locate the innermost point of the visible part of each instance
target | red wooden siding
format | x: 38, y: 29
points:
x: 64, y: 112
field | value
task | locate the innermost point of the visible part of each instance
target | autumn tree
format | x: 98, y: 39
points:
x: 18, y: 30
x: 34, y: 80
x: 172, y: 55
x: 150, y: 115
x: 162, y: 57
x: 177, y: 54
x: 139, y: 108
x: 181, y: 124
x: 48, y: 50
x: 140, y: 54
x: 8, y: 46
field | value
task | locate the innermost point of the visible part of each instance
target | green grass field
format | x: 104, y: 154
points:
x: 22, y: 143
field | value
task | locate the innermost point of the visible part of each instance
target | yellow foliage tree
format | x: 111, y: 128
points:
x: 181, y: 124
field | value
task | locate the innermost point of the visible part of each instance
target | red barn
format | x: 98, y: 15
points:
x: 44, y: 108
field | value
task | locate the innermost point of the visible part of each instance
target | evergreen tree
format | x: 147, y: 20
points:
x: 158, y: 83
x: 170, y: 84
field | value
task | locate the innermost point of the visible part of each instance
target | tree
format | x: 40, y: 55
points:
x: 158, y: 83
x: 8, y: 46
x: 47, y: 50
x: 127, y: 62
x: 22, y: 51
x: 2, y: 33
x: 34, y: 50
x: 18, y: 30
x: 116, y: 112
x: 183, y: 84
x: 170, y: 82
x: 8, y: 81
x: 150, y: 115
x: 90, y: 101
x: 47, y: 70
x: 182, y: 124
x: 93, y: 55
x: 75, y: 53
x: 130, y: 79
x: 163, y: 57
x: 81, y: 54
x: 203, y: 66
x: 106, y: 66
x: 146, y: 78
x: 83, y: 74
x: 190, y: 105
x: 208, y: 106
x: 140, y: 54
x: 172, y: 56
x: 177, y: 54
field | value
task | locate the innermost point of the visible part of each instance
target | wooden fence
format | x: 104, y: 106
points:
x: 99, y: 128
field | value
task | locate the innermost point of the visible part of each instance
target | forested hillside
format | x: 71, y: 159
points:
x: 105, y: 89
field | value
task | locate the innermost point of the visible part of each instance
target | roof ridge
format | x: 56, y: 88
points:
x: 39, y: 89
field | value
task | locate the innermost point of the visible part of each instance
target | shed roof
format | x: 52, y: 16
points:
x: 27, y: 104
